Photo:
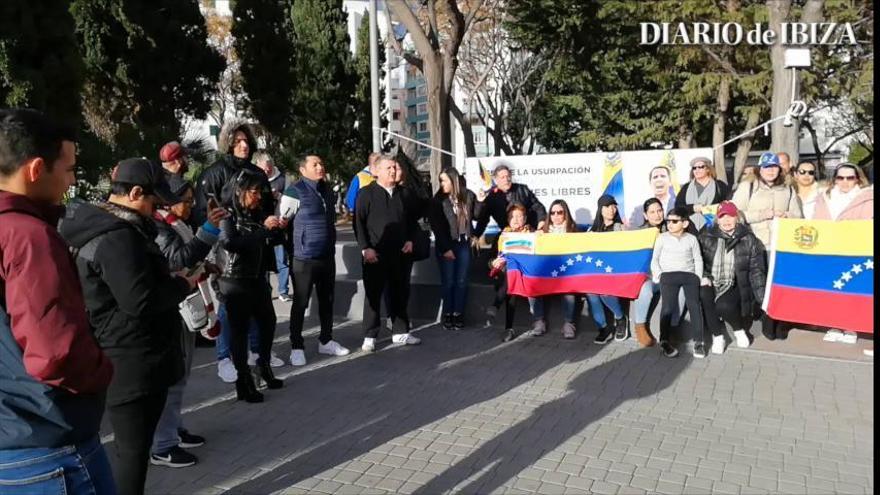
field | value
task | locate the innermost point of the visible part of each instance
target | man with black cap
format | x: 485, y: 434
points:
x: 132, y: 301
x: 173, y: 158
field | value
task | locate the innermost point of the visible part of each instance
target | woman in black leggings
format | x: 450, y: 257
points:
x: 247, y: 238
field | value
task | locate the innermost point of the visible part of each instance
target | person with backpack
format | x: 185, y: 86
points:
x: 766, y: 197
x: 132, y: 299
x: 54, y: 376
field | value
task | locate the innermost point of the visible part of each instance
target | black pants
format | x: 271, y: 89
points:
x: 670, y: 284
x: 246, y: 299
x: 134, y: 424
x: 726, y: 309
x: 322, y: 275
x: 391, y: 271
x: 407, y: 268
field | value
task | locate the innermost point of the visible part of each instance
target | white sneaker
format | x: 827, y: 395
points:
x: 742, y: 339
x: 297, y: 357
x: 252, y: 358
x: 389, y: 323
x: 275, y: 361
x: 868, y: 352
x: 332, y: 348
x: 226, y: 370
x: 718, y: 344
x: 849, y: 338
x: 369, y: 344
x: 405, y: 339
x: 832, y: 335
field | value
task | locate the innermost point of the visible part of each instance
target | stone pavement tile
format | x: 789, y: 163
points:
x: 604, y: 488
x: 764, y: 483
x: 570, y: 469
x: 390, y: 484
x: 634, y: 460
x: 667, y: 488
x: 698, y: 485
x: 326, y: 487
x: 673, y: 477
x: 346, y: 477
x: 741, y: 479
x: 722, y: 487
x: 792, y: 488
x: 621, y: 479
x: 527, y: 485
x: 368, y: 481
x: 648, y: 484
x: 531, y: 473
x: 401, y: 474
x: 409, y: 488
x: 661, y: 464
x: 623, y: 467
x: 842, y: 487
x: 579, y: 483
x: 379, y: 470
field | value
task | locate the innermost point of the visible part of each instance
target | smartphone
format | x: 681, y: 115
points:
x: 212, y: 202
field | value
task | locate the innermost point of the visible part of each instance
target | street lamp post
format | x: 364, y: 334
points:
x: 374, y: 76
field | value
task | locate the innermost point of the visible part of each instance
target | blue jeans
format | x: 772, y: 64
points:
x: 225, y: 329
x: 647, y: 300
x: 536, y: 305
x: 171, y: 420
x: 75, y: 469
x: 283, y: 270
x: 454, y: 277
x: 598, y: 311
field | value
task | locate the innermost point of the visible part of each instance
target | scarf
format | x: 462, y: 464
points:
x: 723, y: 265
x: 838, y: 201
x: 557, y: 229
x: 704, y: 198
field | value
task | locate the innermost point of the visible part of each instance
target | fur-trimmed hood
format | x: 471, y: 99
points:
x: 224, y: 140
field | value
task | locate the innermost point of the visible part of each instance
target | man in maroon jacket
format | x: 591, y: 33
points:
x: 53, y: 375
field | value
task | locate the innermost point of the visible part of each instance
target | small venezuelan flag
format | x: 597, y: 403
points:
x: 606, y: 263
x: 485, y: 177
x: 710, y: 213
x: 822, y: 273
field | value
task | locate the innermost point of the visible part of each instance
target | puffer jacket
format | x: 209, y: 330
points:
x: 131, y: 297
x: 860, y: 208
x: 180, y: 253
x: 214, y: 178
x: 753, y: 197
x: 750, y: 273
x: 246, y: 246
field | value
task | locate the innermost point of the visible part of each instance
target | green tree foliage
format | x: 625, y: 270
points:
x: 363, y: 99
x: 147, y: 65
x: 40, y: 66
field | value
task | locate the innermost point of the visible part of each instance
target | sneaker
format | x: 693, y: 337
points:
x: 369, y: 345
x: 405, y: 339
x: 699, y: 350
x: 868, y: 352
x: 621, y: 329
x: 275, y: 361
x: 447, y: 321
x: 187, y: 440
x: 389, y: 323
x: 458, y: 321
x: 832, y: 335
x: 252, y: 358
x: 718, y: 344
x: 606, y: 334
x: 491, y: 311
x: 742, y: 339
x: 332, y: 348
x: 285, y: 298
x: 538, y: 328
x: 568, y: 330
x: 175, y: 457
x: 297, y: 357
x: 668, y: 349
x: 226, y: 370
x: 849, y: 338
x: 509, y: 335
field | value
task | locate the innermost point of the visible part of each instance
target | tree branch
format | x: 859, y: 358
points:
x: 395, y: 43
x: 414, y: 27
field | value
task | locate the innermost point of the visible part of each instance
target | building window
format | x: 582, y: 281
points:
x: 411, y: 112
x: 422, y: 90
x: 395, y: 115
x: 422, y: 108
x: 410, y: 94
x: 423, y: 126
x: 479, y: 137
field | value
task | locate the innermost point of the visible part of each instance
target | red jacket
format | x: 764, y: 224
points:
x: 44, y: 300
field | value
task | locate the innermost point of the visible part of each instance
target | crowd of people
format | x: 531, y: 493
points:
x: 102, y: 301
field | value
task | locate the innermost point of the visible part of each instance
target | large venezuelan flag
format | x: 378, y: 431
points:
x: 607, y: 263
x: 822, y: 273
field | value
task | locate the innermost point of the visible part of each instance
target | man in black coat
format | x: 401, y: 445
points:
x: 385, y: 231
x: 132, y: 301
x: 505, y: 193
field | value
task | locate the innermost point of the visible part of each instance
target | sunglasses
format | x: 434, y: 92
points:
x: 851, y: 178
x: 674, y: 220
x: 698, y: 167
x: 557, y: 212
x: 807, y: 172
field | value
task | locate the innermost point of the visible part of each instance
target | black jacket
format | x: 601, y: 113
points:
x: 131, y: 297
x: 722, y: 192
x: 382, y: 222
x: 179, y: 253
x: 750, y: 275
x: 246, y: 245
x: 444, y: 222
x: 496, y: 204
x: 213, y: 179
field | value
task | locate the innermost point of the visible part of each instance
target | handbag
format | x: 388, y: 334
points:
x: 421, y: 245
x: 194, y: 312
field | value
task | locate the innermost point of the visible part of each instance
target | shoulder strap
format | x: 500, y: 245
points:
x: 751, y: 189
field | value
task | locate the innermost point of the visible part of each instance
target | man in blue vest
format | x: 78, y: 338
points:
x: 310, y: 202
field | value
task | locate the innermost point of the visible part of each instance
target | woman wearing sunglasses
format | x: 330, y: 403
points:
x: 808, y: 186
x: 766, y: 198
x: 850, y: 198
x: 703, y: 189
x: 560, y: 222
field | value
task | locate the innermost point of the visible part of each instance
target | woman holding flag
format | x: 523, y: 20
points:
x: 704, y: 189
x: 608, y: 220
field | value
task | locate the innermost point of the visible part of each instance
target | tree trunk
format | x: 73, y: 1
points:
x: 818, y: 149
x: 782, y: 138
x: 745, y: 145
x: 718, y: 129
x: 467, y: 129
x: 438, y: 117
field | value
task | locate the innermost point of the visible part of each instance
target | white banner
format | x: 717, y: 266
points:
x: 580, y: 178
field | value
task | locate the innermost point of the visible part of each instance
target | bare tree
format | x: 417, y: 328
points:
x: 231, y: 98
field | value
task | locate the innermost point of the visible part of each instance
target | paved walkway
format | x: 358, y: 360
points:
x: 464, y: 413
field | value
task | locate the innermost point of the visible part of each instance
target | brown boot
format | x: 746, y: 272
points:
x: 643, y: 335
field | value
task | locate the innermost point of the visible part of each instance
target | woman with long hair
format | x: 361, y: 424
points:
x: 655, y: 218
x: 560, y: 222
x: 607, y: 220
x: 703, y: 189
x: 451, y: 212
x: 808, y: 186
x: 247, y: 237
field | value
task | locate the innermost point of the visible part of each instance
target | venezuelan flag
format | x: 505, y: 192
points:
x: 485, y: 177
x: 710, y: 213
x: 607, y: 263
x: 612, y: 178
x: 821, y: 273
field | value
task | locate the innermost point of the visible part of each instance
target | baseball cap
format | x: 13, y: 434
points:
x: 171, y: 151
x: 768, y: 159
x: 727, y: 208
x: 150, y: 176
